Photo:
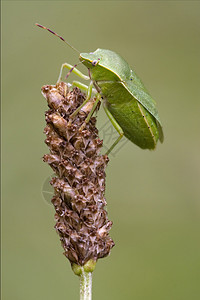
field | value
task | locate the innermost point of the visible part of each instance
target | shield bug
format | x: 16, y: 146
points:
x: 127, y: 103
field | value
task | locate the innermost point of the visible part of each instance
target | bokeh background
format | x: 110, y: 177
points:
x: 153, y: 197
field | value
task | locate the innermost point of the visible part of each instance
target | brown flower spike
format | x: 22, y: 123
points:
x: 81, y: 220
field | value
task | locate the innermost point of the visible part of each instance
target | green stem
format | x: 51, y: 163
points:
x: 85, y: 285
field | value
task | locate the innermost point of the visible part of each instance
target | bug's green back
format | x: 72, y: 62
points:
x: 137, y: 123
x: 123, y: 93
x: 139, y: 92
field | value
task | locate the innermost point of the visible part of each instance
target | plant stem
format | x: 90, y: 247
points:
x: 85, y: 285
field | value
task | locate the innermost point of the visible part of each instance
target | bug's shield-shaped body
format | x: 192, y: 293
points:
x: 126, y: 97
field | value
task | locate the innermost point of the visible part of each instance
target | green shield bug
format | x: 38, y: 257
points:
x: 127, y: 103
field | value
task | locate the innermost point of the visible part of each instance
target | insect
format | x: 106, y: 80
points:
x: 127, y: 103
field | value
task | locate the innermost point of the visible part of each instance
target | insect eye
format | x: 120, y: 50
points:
x: 94, y: 62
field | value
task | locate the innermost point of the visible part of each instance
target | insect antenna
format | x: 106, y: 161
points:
x: 60, y: 37
x: 71, y: 70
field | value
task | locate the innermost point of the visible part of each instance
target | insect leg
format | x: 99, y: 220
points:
x: 89, y: 93
x: 116, y: 126
x: 91, y: 112
x: 71, y: 69
x: 93, y: 108
x: 80, y: 85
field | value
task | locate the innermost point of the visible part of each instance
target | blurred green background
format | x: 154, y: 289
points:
x: 153, y: 197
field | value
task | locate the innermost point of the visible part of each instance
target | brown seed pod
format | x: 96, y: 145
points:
x: 81, y: 218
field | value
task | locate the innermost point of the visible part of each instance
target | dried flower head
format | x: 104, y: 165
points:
x: 81, y: 218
